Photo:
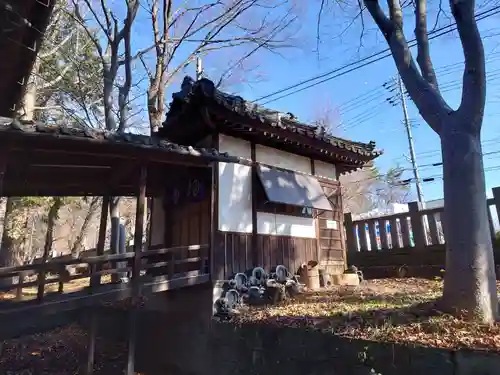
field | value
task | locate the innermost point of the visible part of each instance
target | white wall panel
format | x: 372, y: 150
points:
x: 326, y: 170
x: 281, y: 159
x: 235, y: 195
x: 235, y: 188
x: 285, y: 225
x: 235, y: 147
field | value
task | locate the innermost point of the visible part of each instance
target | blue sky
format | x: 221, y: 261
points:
x: 368, y: 116
x: 358, y: 98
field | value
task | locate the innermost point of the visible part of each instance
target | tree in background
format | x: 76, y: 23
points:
x: 367, y: 188
x: 93, y: 204
x: 113, y: 42
x: 469, y: 283
x: 62, y: 85
x: 54, y: 93
x: 183, y: 31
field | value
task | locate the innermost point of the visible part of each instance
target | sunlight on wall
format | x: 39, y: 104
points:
x: 235, y: 196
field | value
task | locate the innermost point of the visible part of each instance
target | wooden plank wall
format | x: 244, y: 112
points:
x: 187, y: 225
x: 191, y: 224
x: 233, y: 252
x: 332, y: 249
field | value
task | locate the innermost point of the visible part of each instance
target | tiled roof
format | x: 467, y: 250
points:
x: 8, y: 125
x: 191, y: 89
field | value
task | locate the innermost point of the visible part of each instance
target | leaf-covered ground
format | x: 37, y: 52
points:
x: 52, y: 287
x: 60, y: 352
x: 393, y: 310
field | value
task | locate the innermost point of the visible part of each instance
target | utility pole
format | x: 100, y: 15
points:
x: 199, y: 68
x: 402, y: 96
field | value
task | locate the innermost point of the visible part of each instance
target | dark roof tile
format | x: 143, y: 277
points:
x: 136, y: 140
x: 235, y: 103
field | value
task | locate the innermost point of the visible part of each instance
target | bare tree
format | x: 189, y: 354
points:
x: 78, y: 246
x: 109, y: 42
x: 202, y: 29
x: 53, y: 82
x: 469, y: 283
x: 367, y: 188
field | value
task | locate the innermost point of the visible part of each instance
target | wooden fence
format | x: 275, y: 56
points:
x: 410, y: 243
x: 158, y: 269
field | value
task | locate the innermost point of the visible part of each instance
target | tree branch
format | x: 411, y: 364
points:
x: 77, y: 16
x: 383, y: 22
x: 57, y: 47
x: 132, y: 6
x: 52, y: 83
x: 474, y: 78
x: 431, y: 105
x: 423, y: 55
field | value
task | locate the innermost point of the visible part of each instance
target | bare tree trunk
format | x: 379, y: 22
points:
x: 52, y: 217
x: 77, y: 247
x: 114, y: 213
x: 10, y: 241
x: 469, y: 283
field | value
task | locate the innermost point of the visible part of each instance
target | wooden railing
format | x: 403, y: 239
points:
x: 417, y: 228
x: 158, y: 270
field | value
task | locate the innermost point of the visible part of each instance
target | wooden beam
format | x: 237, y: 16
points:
x: 255, y: 251
x: 91, y: 344
x: 132, y: 337
x: 139, y: 230
x: 136, y: 271
x: 51, y: 157
x: 65, y: 145
x: 263, y: 133
x: 66, y: 191
x: 4, y: 154
x: 214, y: 209
x: 96, y: 280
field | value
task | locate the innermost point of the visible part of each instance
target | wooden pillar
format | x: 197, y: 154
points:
x: 139, y: 230
x: 91, y: 345
x: 214, y: 214
x: 351, y: 242
x: 340, y: 202
x: 255, y: 250
x: 136, y: 270
x: 316, y: 214
x: 496, y: 197
x: 95, y: 280
x: 132, y: 335
x: 3, y: 167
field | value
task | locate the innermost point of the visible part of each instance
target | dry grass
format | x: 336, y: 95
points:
x: 392, y: 310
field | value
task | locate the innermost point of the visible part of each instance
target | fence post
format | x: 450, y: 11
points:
x: 350, y: 235
x: 496, y: 197
x: 417, y: 227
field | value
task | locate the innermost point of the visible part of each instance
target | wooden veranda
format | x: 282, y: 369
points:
x: 43, y: 160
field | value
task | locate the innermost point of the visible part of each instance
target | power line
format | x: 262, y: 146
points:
x: 430, y: 178
x: 431, y: 153
x: 367, y: 60
x: 375, y: 93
